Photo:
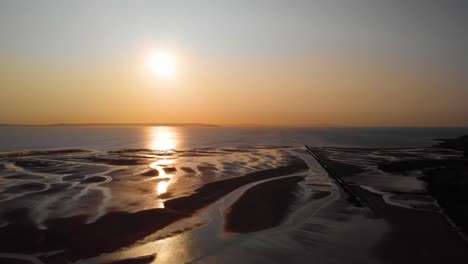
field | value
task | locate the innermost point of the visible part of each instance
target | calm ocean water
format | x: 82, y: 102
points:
x: 15, y: 138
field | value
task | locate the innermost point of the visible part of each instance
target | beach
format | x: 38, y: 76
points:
x: 417, y: 191
x: 262, y: 204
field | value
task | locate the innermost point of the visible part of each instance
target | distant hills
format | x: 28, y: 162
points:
x: 116, y: 124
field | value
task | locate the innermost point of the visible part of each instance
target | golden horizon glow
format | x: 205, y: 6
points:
x: 227, y: 93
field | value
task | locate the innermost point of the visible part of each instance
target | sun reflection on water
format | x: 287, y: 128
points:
x: 163, y: 139
x: 162, y: 162
x: 162, y: 187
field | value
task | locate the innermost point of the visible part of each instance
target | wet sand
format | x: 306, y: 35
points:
x: 138, y: 206
x: 80, y: 240
x: 42, y: 153
x: 446, y: 178
x: 76, y: 238
x: 419, y: 233
x: 262, y: 206
x: 213, y: 191
x: 416, y: 236
x: 138, y: 260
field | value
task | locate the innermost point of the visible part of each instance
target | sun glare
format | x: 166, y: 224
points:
x: 162, y: 64
x: 163, y: 139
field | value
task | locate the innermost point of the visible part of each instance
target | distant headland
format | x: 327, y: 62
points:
x: 116, y: 124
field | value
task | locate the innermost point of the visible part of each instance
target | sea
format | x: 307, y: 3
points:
x: 21, y: 138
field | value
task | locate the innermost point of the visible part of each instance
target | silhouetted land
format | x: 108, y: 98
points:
x: 116, y: 124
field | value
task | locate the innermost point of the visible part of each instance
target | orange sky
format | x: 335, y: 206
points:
x: 238, y: 62
x: 264, y: 91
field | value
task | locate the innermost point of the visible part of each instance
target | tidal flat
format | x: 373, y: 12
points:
x: 263, y: 204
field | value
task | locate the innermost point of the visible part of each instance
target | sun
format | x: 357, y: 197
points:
x: 162, y: 64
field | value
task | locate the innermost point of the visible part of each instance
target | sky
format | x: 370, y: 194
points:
x: 293, y: 63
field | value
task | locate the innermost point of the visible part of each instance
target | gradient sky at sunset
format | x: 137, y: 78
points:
x: 362, y: 62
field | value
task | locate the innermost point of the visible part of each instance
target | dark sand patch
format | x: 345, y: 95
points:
x: 118, y: 173
x: 117, y: 161
x: 200, y: 153
x: 32, y: 163
x: 166, y: 195
x: 418, y: 164
x: 14, y: 261
x: 318, y: 184
x: 24, y: 177
x: 187, y: 169
x: 151, y: 173
x: 336, y: 167
x: 142, y: 157
x: 317, y: 195
x: 73, y: 177
x: 122, y: 151
x: 211, y: 192
x: 169, y: 169
x: 43, y: 153
x: 237, y: 150
x: 94, y: 179
x: 262, y: 206
x: 449, y: 185
x: 196, y: 155
x: 206, y: 168
x: 350, y: 169
x: 56, y: 188
x: 460, y: 143
x: 108, y: 233
x: 26, y: 187
x: 137, y: 260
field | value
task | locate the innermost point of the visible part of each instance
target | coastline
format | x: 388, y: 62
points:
x: 419, y: 232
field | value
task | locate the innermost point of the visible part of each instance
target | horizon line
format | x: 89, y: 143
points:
x: 227, y: 125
